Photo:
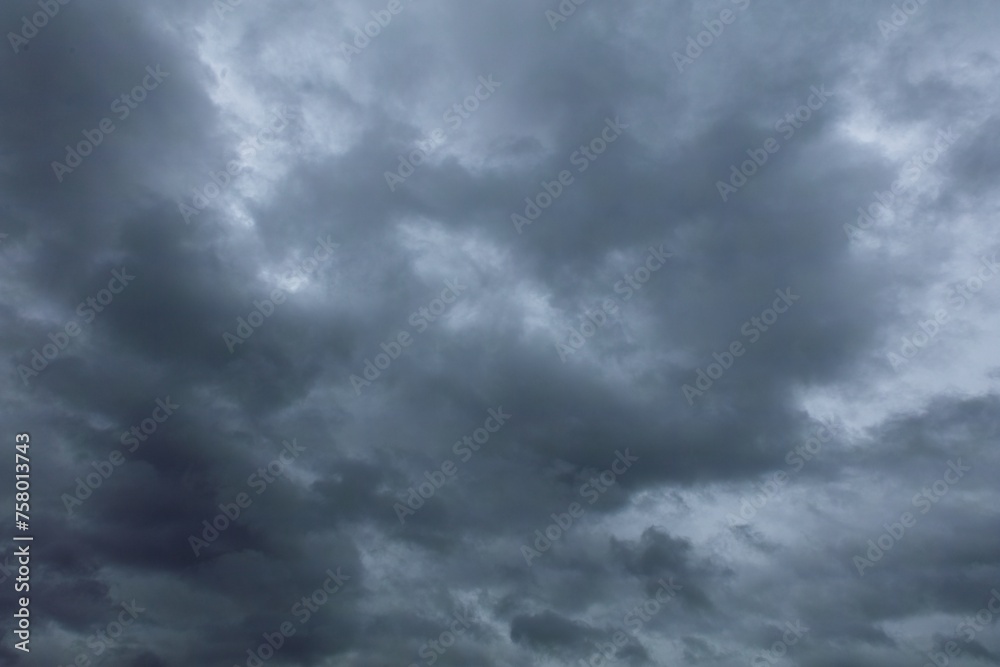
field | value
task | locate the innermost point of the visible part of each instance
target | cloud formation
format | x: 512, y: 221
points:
x: 316, y: 312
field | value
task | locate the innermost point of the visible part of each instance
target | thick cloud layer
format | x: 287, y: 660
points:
x: 515, y: 333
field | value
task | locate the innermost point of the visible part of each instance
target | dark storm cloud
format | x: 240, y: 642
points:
x: 223, y: 543
x: 547, y: 631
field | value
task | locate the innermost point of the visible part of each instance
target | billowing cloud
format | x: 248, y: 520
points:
x: 442, y: 333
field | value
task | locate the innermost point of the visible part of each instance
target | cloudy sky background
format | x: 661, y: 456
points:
x: 322, y: 177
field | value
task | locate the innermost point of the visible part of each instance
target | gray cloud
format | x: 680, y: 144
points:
x: 79, y: 378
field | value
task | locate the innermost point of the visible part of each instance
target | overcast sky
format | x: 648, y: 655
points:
x: 430, y: 332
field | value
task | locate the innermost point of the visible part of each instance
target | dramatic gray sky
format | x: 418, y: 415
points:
x: 640, y: 352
